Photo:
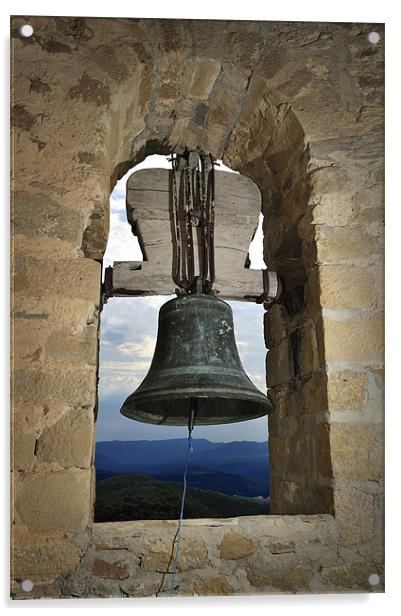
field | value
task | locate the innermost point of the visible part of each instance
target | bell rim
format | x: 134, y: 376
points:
x: 131, y: 410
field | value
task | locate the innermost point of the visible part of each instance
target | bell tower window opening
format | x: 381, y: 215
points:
x: 238, y: 452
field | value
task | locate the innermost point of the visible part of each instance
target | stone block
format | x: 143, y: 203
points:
x: 357, y: 451
x: 322, y: 449
x: 204, y: 74
x: 159, y: 555
x: 78, y: 278
x: 282, y: 548
x: 314, y: 393
x: 275, y: 325
x: 117, y: 570
x: 23, y: 448
x: 39, y: 215
x: 73, y: 387
x: 235, y: 546
x: 75, y: 314
x: 217, y: 585
x: 278, y: 459
x: 45, y: 562
x: 348, y: 286
x: 359, y: 339
x: 27, y: 421
x: 347, y: 390
x: 25, y: 426
x: 227, y: 99
x: 355, y: 516
x: 294, y: 577
x: 62, y: 345
x: 278, y: 364
x: 287, y: 497
x: 351, y: 244
x: 69, y: 441
x: 307, y: 352
x: 321, y: 498
x: 43, y: 340
x: 54, y: 501
x: 351, y: 575
x: 43, y: 247
x: 331, y: 196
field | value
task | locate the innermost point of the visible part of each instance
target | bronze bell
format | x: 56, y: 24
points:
x: 196, y: 365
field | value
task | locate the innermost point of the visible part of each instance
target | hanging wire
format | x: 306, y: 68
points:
x: 177, y: 538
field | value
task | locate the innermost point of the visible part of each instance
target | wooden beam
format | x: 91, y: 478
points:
x: 135, y: 278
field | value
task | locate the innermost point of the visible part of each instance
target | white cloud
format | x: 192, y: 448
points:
x: 157, y: 301
x: 122, y: 245
x: 124, y: 366
x: 118, y: 383
x: 143, y: 348
x: 117, y: 204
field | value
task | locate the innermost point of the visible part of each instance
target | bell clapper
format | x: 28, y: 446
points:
x: 192, y: 413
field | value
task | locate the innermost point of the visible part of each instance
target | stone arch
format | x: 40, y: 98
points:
x: 265, y: 141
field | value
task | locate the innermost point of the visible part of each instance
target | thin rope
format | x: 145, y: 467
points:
x: 173, y: 588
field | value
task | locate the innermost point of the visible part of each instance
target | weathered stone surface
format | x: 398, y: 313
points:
x: 275, y: 326
x: 353, y: 575
x: 50, y: 501
x: 351, y: 244
x: 314, y: 392
x: 287, y: 497
x: 37, y: 214
x: 235, y: 546
x: 43, y: 247
x: 347, y: 286
x: 45, y: 561
x: 39, y: 340
x: 294, y: 577
x: 278, y: 364
x: 354, y: 511
x: 74, y: 313
x: 359, y: 339
x: 346, y: 390
x: 323, y: 452
x: 61, y: 345
x: 307, y: 352
x: 78, y: 278
x: 115, y: 544
x: 75, y: 387
x: 357, y: 451
x: 282, y: 548
x: 23, y: 444
x: 159, y: 555
x: 217, y: 585
x: 69, y: 441
x: 114, y: 570
x: 204, y: 74
x: 27, y: 421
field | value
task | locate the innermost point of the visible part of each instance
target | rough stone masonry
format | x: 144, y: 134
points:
x: 298, y: 108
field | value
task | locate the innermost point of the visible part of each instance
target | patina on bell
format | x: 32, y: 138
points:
x: 196, y: 365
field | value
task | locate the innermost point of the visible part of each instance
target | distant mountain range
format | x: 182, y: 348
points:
x: 139, y: 497
x: 238, y: 468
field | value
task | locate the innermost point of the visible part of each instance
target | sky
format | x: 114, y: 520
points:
x: 128, y: 334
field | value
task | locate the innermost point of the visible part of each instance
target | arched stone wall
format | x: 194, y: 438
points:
x: 298, y: 109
